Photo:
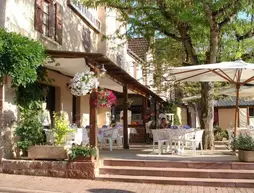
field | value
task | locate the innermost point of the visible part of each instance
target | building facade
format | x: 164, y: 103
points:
x: 69, y: 30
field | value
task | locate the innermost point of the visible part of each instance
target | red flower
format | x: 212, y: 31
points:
x: 105, y: 98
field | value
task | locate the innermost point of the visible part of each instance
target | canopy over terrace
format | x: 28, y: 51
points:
x: 116, y: 79
x: 238, y: 73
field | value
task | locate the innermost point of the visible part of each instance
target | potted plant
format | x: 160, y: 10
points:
x: 245, y: 146
x: 105, y: 98
x: 60, y: 130
x: 82, y: 153
x: 83, y: 83
x: 29, y: 131
x: 220, y: 134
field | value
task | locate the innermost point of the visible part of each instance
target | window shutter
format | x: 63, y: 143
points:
x: 52, y: 21
x: 59, y: 23
x: 38, y: 16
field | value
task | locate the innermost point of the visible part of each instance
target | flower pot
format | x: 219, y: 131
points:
x: 83, y: 159
x: 47, y: 152
x: 246, y: 156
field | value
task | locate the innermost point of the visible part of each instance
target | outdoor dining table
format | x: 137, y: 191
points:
x: 103, y: 132
x: 174, y: 135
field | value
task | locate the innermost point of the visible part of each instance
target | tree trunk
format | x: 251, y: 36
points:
x: 207, y: 113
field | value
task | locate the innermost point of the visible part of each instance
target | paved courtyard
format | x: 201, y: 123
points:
x: 32, y: 184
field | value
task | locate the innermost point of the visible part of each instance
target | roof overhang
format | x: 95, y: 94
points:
x: 89, y: 60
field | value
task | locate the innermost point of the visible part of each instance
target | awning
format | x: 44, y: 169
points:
x: 65, y: 63
x: 70, y: 66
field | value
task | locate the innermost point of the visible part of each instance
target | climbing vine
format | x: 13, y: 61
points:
x: 22, y: 60
x: 20, y: 57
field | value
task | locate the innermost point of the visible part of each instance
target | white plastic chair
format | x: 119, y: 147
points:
x: 177, y: 137
x: 85, y: 138
x: 112, y: 136
x: 160, y: 136
x: 147, y: 126
x: 196, y: 141
x: 188, y: 136
x: 69, y: 140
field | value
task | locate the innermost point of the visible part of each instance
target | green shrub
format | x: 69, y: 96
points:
x: 61, y: 128
x: 29, y: 131
x: 86, y: 151
x: 243, y: 142
x: 220, y: 133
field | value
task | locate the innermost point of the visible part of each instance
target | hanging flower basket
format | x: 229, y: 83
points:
x: 105, y: 98
x: 83, y: 83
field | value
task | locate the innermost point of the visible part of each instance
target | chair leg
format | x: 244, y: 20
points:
x: 159, y: 147
x: 167, y: 146
x: 153, y: 145
x: 170, y: 143
x: 110, y: 144
x: 183, y: 148
x: 102, y: 143
x: 193, y: 144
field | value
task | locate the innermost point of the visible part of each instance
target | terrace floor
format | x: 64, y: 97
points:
x: 145, y: 152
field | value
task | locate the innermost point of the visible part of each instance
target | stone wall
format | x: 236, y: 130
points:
x: 62, y: 169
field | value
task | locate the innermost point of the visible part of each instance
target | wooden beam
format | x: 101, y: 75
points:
x: 93, y: 120
x: 125, y: 117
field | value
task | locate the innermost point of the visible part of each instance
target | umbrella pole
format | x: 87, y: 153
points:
x: 236, y: 109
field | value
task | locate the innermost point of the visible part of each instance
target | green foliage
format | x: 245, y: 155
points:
x: 61, y: 128
x: 20, y: 58
x: 243, y: 142
x: 86, y: 151
x: 29, y: 130
x: 29, y: 97
x: 219, y: 134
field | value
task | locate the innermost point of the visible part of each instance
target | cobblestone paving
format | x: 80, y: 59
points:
x: 33, y: 184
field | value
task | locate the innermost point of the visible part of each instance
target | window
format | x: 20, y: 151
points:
x: 48, y: 19
x: 251, y: 112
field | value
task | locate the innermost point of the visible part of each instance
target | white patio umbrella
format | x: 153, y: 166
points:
x: 237, y: 73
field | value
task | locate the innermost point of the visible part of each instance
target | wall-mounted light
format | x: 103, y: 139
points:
x: 101, y: 70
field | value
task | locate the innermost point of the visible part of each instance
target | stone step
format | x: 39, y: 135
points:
x: 221, y: 147
x: 221, y: 142
x: 180, y: 181
x: 179, y: 164
x: 178, y: 172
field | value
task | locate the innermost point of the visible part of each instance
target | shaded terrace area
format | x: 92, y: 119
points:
x: 145, y: 152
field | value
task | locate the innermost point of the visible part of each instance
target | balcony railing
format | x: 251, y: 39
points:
x: 85, y: 14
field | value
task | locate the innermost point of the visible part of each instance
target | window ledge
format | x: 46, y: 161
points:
x: 49, y: 40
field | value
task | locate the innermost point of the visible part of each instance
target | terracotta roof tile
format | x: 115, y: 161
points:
x: 139, y: 46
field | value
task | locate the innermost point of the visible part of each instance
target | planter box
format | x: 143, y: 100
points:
x: 47, y: 152
x: 246, y: 156
x: 83, y: 159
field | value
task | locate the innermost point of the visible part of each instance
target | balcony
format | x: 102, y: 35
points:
x: 85, y: 14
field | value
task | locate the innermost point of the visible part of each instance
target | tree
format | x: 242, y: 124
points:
x: 208, y: 30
